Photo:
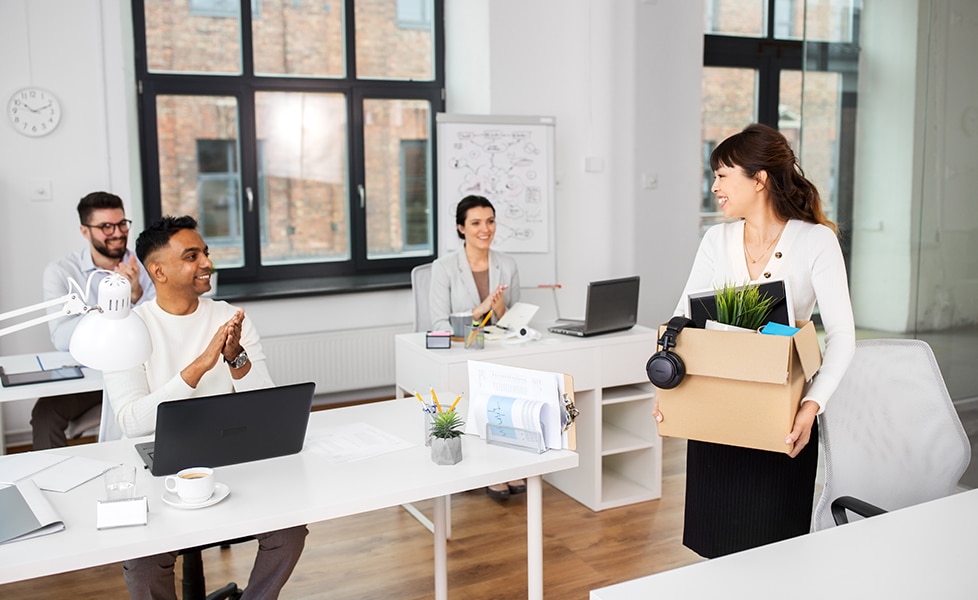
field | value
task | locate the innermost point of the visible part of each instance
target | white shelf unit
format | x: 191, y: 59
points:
x: 620, y: 451
x: 618, y: 446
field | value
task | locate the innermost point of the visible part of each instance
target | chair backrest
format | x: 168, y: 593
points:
x: 420, y: 288
x: 108, y: 428
x: 890, y: 432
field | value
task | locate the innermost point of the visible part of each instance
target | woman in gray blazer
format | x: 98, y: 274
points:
x: 475, y: 278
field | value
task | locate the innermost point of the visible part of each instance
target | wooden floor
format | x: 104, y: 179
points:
x: 387, y: 554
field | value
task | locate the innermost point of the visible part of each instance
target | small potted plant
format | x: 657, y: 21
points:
x: 744, y: 307
x: 446, y: 438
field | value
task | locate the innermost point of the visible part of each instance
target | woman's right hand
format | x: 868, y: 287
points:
x: 492, y: 302
x: 655, y: 411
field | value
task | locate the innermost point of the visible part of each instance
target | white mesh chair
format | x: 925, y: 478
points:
x: 108, y: 429
x: 420, y: 288
x: 890, y: 433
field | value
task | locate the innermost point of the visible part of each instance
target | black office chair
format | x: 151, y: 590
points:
x: 193, y: 584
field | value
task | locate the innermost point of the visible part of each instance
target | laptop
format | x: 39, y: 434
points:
x: 214, y: 431
x: 612, y: 305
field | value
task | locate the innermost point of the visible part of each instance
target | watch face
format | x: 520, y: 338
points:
x: 34, y: 112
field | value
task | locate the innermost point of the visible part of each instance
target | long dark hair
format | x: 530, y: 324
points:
x: 762, y: 148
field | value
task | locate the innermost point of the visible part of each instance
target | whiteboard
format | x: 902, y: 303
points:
x: 510, y: 161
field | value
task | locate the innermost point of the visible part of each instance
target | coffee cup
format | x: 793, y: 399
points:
x: 193, y: 485
x: 461, y: 321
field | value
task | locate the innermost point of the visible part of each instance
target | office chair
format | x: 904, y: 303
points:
x: 890, y: 433
x: 420, y: 288
x: 193, y: 584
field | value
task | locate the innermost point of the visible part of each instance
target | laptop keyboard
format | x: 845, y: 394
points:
x: 567, y: 327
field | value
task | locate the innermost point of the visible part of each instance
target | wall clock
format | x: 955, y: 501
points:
x: 33, y: 111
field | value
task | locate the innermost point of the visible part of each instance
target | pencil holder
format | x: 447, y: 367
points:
x: 475, y: 339
x: 429, y: 421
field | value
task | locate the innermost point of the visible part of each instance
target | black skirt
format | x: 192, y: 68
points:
x: 741, y: 498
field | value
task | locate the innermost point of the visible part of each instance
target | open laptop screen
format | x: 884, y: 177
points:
x: 213, y: 431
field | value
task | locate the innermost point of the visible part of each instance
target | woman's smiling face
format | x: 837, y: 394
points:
x: 735, y: 191
x: 479, y: 228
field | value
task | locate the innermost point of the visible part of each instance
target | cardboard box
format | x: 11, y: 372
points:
x: 740, y: 389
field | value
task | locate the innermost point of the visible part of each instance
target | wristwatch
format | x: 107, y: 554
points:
x: 239, y: 360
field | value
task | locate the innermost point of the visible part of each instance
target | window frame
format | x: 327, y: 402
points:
x: 769, y: 56
x: 244, y: 88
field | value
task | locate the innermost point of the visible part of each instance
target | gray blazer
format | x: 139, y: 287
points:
x: 453, y: 287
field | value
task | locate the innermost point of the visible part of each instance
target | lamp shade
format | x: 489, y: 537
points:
x: 111, y: 337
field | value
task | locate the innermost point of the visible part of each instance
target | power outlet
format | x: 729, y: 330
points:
x: 40, y: 191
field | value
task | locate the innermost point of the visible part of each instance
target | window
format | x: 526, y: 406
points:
x: 791, y: 64
x: 299, y: 134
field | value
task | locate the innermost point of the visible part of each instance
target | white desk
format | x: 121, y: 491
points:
x: 287, y: 491
x: 619, y: 447
x: 27, y: 362
x: 925, y: 551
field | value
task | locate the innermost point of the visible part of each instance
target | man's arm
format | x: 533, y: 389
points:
x: 132, y: 402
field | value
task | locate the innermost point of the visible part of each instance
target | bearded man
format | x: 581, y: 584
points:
x: 105, y: 226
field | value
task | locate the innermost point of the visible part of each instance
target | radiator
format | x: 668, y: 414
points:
x: 337, y: 361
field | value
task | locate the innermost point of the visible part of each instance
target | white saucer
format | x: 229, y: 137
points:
x: 221, y: 492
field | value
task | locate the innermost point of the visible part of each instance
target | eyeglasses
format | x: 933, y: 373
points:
x: 109, y: 228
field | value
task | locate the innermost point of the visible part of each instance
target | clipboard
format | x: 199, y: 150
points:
x: 569, y: 409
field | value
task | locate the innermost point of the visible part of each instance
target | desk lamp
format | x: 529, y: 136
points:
x: 110, y: 337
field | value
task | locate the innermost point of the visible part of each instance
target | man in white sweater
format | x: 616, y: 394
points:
x: 201, y: 347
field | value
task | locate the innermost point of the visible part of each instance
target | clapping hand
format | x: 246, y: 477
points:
x: 130, y: 270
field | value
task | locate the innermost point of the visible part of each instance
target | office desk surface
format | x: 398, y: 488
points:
x: 924, y: 551
x: 90, y: 382
x: 270, y: 494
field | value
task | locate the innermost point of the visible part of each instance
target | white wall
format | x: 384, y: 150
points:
x: 582, y: 61
x: 75, y: 50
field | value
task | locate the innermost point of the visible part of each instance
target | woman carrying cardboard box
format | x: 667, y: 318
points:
x: 740, y: 498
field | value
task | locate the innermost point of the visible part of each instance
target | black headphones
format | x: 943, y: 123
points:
x: 665, y: 369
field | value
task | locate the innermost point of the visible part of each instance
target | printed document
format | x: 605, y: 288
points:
x: 515, y: 399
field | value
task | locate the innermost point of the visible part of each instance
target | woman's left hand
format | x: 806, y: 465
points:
x: 802, y: 431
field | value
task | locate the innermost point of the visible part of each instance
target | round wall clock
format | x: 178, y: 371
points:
x: 33, y: 111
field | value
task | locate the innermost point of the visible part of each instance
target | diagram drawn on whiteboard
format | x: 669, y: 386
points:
x: 508, y: 165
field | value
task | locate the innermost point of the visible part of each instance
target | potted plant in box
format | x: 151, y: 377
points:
x: 446, y: 438
x: 744, y: 307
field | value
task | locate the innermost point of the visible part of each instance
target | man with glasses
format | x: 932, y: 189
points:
x: 105, y: 226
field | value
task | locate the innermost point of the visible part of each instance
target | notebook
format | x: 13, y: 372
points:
x: 612, y: 305
x: 213, y: 431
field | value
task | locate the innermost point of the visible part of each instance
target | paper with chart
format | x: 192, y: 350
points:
x: 523, y: 399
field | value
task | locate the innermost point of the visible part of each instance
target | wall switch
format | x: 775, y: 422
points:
x: 593, y: 164
x: 40, y: 191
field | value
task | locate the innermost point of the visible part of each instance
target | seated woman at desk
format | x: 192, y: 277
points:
x: 475, y: 277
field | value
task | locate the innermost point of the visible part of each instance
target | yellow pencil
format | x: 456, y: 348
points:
x: 435, y: 398
x: 418, y: 396
x: 475, y: 331
x: 452, y: 408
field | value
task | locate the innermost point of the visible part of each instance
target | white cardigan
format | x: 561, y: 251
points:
x: 808, y: 257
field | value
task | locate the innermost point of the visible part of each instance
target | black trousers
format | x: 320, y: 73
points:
x: 741, y: 498
x: 51, y: 414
